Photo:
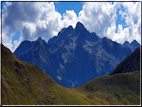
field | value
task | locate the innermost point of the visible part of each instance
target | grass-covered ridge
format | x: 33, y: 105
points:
x: 119, y: 89
x: 24, y: 83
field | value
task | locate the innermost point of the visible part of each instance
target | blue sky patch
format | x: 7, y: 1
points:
x: 119, y: 19
x: 16, y: 37
x: 61, y: 7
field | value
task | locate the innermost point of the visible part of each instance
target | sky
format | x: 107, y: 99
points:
x: 119, y: 21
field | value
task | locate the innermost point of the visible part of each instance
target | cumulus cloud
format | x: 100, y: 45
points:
x: 132, y: 16
x: 34, y: 19
x: 31, y: 20
x: 70, y: 18
x: 100, y: 17
x: 28, y: 17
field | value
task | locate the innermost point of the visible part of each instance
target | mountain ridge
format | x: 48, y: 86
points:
x: 132, y: 46
x: 75, y: 56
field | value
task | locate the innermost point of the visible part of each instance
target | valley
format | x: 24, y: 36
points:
x: 26, y: 84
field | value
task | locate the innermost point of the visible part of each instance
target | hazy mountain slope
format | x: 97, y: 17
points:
x: 129, y: 64
x: 23, y: 83
x: 74, y: 56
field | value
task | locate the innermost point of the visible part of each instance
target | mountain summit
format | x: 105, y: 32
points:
x: 39, y: 39
x: 132, y: 46
x: 74, y: 56
x: 79, y: 26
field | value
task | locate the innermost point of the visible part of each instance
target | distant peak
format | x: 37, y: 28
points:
x: 39, y: 38
x: 105, y: 38
x: 79, y: 25
x: 126, y: 42
x: 134, y: 41
x: 70, y: 27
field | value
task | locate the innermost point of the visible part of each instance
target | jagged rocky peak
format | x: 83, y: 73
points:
x: 73, y: 52
x: 126, y: 42
x: 39, y: 39
x: 106, y: 39
x: 134, y: 42
x: 132, y: 46
x: 40, y: 42
x: 70, y: 27
x: 79, y: 26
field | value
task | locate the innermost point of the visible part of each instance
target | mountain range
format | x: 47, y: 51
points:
x: 132, y: 46
x: 26, y: 84
x: 74, y: 56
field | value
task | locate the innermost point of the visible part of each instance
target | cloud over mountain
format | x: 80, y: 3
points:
x: 34, y: 19
x: 31, y: 19
x: 102, y: 17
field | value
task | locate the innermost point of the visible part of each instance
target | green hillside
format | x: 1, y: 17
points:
x: 122, y: 86
x: 24, y: 83
x: 119, y: 89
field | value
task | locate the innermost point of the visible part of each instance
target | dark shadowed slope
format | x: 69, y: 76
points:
x: 121, y: 88
x: 130, y: 64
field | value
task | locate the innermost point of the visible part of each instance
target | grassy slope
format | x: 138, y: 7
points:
x: 23, y: 83
x: 121, y: 88
x: 116, y: 89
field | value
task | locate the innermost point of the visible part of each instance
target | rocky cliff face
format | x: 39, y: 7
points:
x: 74, y: 56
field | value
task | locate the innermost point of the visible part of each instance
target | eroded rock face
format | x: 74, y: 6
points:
x: 74, y: 56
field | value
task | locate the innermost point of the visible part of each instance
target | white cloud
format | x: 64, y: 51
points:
x: 132, y: 16
x: 120, y: 36
x: 34, y: 19
x: 31, y: 20
x: 100, y: 17
x: 70, y: 18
